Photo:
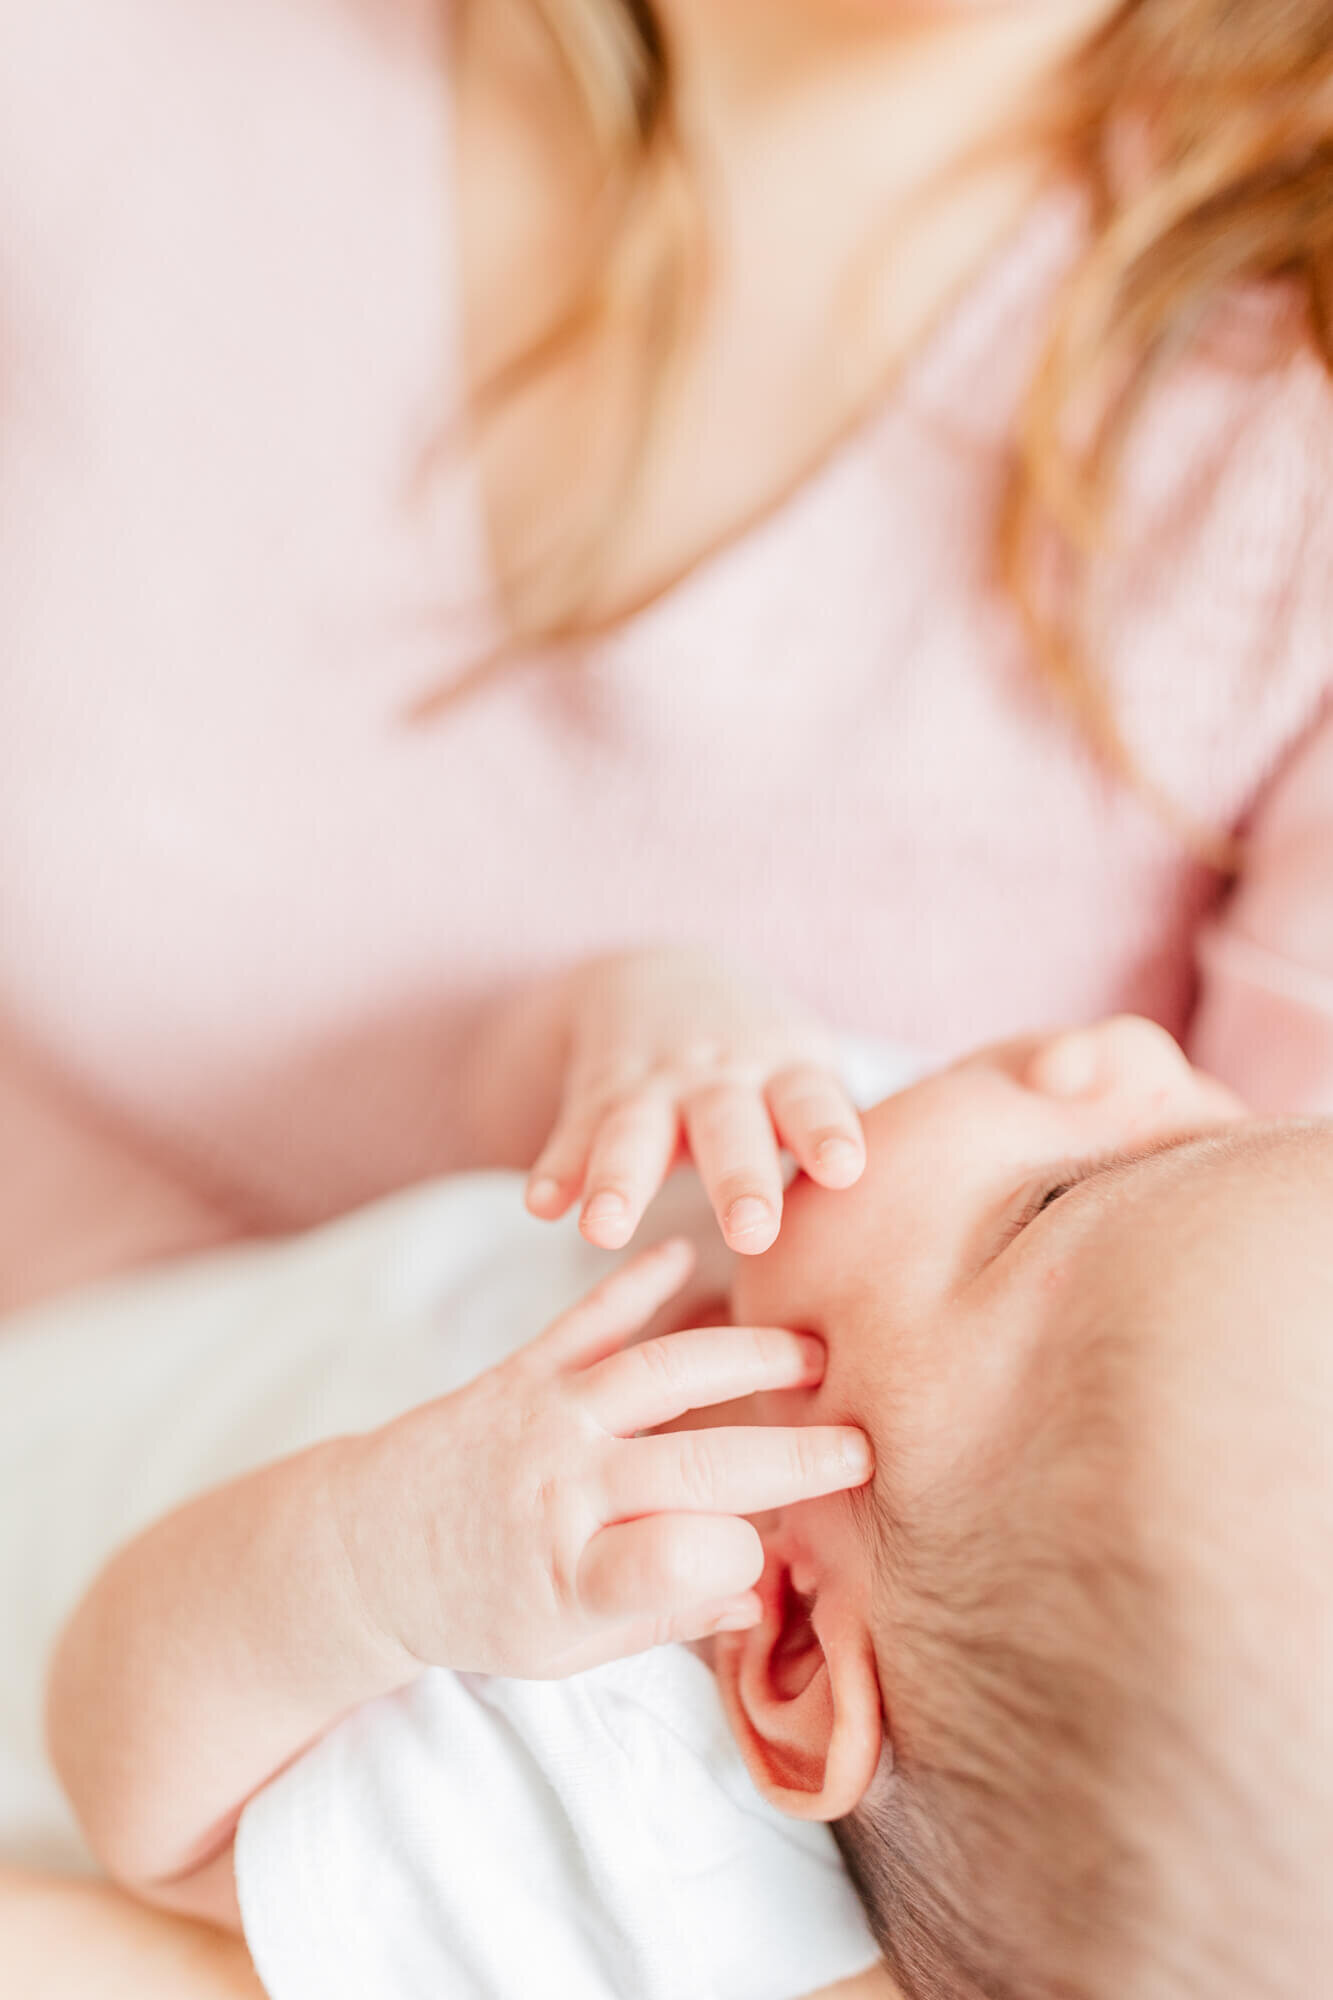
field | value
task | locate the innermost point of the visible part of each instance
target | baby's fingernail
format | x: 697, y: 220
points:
x: 739, y: 1619
x: 748, y: 1216
x: 838, y: 1157
x: 543, y: 1192
x: 856, y: 1455
x: 606, y: 1207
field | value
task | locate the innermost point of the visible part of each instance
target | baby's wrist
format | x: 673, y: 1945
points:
x: 376, y: 1549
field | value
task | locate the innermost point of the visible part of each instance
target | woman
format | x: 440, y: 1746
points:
x: 486, y: 485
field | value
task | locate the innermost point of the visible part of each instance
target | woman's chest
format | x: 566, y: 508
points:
x: 248, y: 902
x: 241, y: 898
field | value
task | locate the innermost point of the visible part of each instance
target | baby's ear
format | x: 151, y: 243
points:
x: 802, y: 1697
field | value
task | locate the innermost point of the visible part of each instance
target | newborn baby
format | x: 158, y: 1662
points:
x: 1063, y: 1676
x: 1059, y: 1675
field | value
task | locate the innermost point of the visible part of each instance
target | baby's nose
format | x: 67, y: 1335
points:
x: 1123, y: 1053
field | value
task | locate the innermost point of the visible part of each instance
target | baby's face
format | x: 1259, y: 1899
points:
x: 1089, y: 1336
x: 972, y: 1238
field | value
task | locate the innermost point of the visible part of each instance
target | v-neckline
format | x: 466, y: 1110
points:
x: 1045, y: 235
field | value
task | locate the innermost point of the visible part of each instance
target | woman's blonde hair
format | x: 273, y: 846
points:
x: 1231, y: 103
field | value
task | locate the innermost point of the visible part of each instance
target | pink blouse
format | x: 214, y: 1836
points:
x: 247, y: 907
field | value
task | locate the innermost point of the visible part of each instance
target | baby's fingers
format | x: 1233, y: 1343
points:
x: 669, y: 1566
x: 558, y: 1176
x: 620, y: 1306
x: 631, y: 1156
x: 743, y: 1470
x: 661, y: 1379
x: 731, y: 1141
x: 817, y: 1122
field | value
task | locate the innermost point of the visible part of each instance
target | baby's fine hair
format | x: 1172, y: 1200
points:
x: 991, y: 1856
x: 1109, y: 1779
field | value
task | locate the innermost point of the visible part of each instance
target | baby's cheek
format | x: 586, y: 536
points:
x: 691, y: 1307
x: 755, y: 1294
x: 786, y: 1407
x: 839, y: 1542
x: 744, y: 1411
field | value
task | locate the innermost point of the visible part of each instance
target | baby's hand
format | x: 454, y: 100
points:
x: 522, y: 1526
x: 667, y: 1052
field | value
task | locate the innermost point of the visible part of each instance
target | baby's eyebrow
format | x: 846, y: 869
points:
x: 1104, y: 1165
x: 1077, y: 1171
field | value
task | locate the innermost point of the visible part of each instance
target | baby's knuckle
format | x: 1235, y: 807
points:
x: 816, y: 1049
x: 615, y: 1077
x: 799, y: 1091
x: 587, y: 1104
x: 711, y: 1102
x: 620, y: 1121
x: 735, y: 1183
x: 556, y: 1542
x: 665, y: 1362
x: 563, y: 1140
x: 696, y: 1470
x: 669, y: 1083
x: 700, y: 1055
x: 562, y: 1573
x: 546, y: 1502
x: 765, y: 1348
x: 807, y: 1456
x: 808, y: 1083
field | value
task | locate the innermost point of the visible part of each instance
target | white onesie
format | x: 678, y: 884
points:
x: 588, y: 1839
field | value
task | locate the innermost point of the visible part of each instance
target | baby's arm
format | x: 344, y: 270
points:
x: 520, y: 1526
x: 64, y: 1940
x: 208, y: 1653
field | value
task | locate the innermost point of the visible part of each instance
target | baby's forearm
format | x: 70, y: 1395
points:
x: 207, y: 1655
x: 64, y: 1940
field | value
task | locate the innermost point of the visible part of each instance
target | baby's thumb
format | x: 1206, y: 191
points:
x: 736, y: 1614
x: 678, y: 1570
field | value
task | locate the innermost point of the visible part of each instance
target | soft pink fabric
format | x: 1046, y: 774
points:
x: 244, y: 907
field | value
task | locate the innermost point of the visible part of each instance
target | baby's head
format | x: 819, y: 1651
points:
x: 1063, y: 1675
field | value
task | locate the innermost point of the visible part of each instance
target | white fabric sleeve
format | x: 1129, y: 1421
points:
x: 595, y: 1838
